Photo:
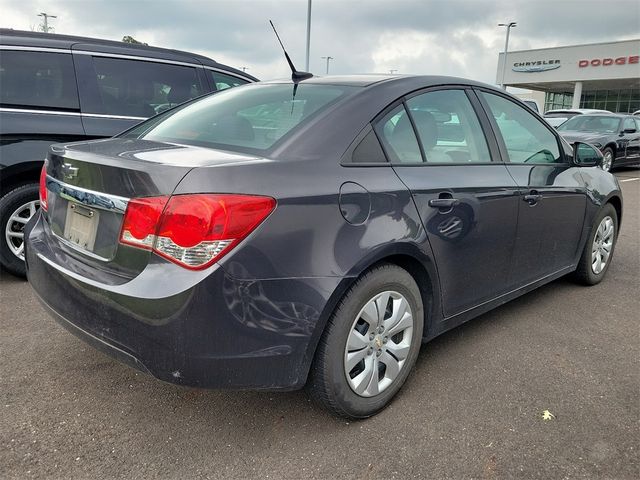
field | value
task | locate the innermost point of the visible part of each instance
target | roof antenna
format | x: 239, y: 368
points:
x: 296, y: 76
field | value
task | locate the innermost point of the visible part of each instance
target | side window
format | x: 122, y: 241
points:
x: 448, y: 127
x: 368, y: 150
x: 629, y: 124
x: 398, y: 138
x: 37, y: 79
x: 143, y: 89
x: 637, y: 124
x: 526, y: 138
x: 222, y: 81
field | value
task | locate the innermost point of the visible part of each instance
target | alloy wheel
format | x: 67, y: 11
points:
x: 378, y: 343
x: 602, y: 245
x: 14, y: 231
x: 607, y: 160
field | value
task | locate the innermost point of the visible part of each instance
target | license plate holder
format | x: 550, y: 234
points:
x: 81, y: 225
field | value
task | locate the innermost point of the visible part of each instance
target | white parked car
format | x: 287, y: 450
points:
x: 555, y: 118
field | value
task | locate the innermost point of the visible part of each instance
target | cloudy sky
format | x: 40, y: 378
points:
x: 450, y: 37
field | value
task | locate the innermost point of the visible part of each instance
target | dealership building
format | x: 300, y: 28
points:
x: 601, y: 75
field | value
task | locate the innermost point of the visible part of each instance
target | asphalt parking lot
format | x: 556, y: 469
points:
x: 472, y: 408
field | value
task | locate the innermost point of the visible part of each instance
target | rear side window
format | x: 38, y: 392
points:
x: 398, y: 137
x: 38, y: 79
x: 222, y: 81
x: 448, y: 127
x: 143, y: 89
x: 526, y: 138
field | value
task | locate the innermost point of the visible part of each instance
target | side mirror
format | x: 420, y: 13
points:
x: 585, y: 155
x: 629, y: 130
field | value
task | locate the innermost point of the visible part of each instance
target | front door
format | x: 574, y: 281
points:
x: 553, y: 197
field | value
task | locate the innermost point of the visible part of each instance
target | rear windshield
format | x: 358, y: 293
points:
x: 590, y: 123
x: 250, y: 118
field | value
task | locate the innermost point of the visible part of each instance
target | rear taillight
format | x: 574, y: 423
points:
x: 43, y: 188
x: 193, y: 230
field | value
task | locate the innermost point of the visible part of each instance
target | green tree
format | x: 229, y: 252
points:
x: 130, y: 39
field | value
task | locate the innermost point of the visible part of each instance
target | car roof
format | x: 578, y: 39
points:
x: 578, y: 110
x: 366, y: 80
x: 22, y: 38
x: 614, y: 115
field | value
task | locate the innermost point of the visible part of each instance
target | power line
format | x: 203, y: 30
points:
x: 44, y: 27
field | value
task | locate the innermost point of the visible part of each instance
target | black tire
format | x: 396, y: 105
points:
x: 609, y: 151
x: 11, y: 202
x: 584, y: 273
x: 327, y: 383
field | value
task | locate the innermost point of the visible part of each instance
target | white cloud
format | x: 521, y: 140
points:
x: 453, y: 37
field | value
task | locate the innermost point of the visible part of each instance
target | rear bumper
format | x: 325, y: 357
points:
x: 206, y: 330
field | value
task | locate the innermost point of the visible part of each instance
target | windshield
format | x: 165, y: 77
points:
x: 250, y: 118
x: 591, y: 123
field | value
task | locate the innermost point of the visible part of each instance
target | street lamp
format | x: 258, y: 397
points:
x: 306, y: 59
x: 506, y: 47
x: 327, y: 59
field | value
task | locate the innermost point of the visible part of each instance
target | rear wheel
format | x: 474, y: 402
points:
x: 598, y: 251
x: 607, y: 159
x: 16, y: 208
x: 370, y: 344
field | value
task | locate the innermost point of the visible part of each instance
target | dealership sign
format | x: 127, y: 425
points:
x: 536, y: 66
x: 607, y: 62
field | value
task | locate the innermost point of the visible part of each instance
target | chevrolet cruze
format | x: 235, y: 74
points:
x: 313, y: 232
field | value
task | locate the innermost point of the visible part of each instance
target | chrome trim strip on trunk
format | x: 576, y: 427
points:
x: 90, y: 198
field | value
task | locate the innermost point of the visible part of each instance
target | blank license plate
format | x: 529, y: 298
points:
x: 81, y: 225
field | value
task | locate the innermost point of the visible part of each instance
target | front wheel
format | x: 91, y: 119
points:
x: 369, y: 345
x: 598, y: 251
x: 607, y: 159
x: 16, y: 209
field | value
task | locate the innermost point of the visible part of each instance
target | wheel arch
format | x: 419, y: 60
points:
x: 617, y: 204
x: 613, y: 147
x: 19, y: 174
x: 406, y: 256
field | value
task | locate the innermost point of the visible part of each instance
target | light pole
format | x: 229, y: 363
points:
x: 45, y: 23
x: 327, y: 59
x: 306, y: 61
x: 506, y: 48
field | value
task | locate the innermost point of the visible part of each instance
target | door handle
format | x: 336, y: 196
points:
x: 532, y: 198
x: 443, y: 203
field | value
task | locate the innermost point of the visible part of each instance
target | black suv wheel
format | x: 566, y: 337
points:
x: 16, y: 208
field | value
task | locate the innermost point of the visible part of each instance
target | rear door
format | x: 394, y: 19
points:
x: 552, y: 192
x: 467, y: 202
x: 38, y: 102
x: 118, y: 92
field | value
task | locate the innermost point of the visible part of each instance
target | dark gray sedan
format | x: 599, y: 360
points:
x: 314, y: 233
x: 616, y: 136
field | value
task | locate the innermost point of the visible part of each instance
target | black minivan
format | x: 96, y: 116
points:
x: 59, y: 88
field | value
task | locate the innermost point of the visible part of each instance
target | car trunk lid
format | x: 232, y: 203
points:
x: 89, y: 186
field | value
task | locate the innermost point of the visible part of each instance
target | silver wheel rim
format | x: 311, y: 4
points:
x: 607, y: 160
x: 14, y: 231
x: 602, y: 245
x: 379, y: 343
